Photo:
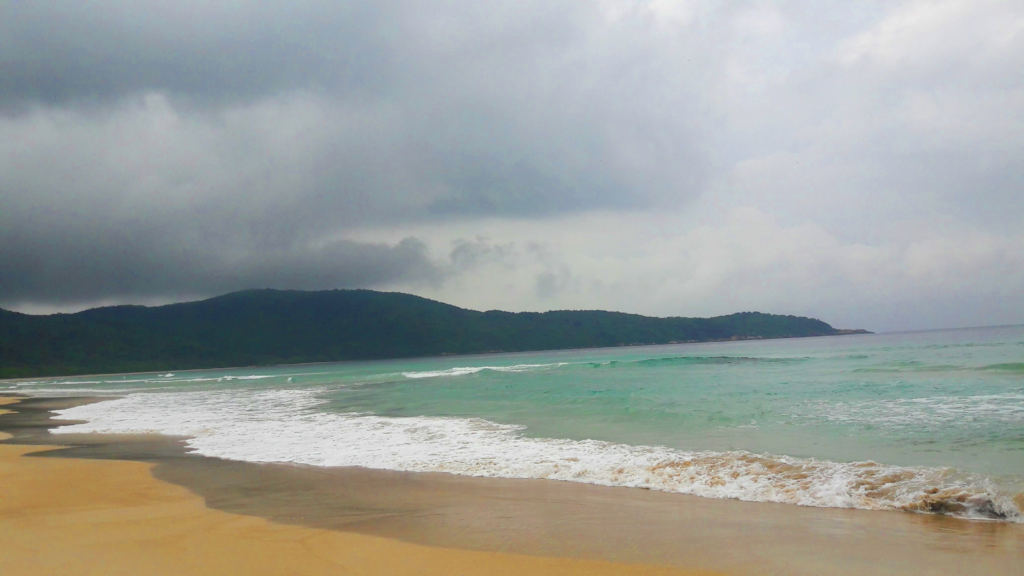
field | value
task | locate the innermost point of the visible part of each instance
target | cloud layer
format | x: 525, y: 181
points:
x: 797, y: 157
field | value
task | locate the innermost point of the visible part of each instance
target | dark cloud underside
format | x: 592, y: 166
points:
x: 172, y: 149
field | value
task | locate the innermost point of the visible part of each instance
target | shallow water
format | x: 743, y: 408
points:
x: 926, y: 421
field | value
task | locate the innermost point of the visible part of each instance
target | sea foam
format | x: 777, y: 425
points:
x: 464, y: 370
x: 285, y: 426
x: 922, y: 413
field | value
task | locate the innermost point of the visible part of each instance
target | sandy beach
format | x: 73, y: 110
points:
x: 128, y: 505
x: 76, y: 516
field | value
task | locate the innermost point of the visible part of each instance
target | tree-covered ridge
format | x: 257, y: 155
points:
x: 260, y: 327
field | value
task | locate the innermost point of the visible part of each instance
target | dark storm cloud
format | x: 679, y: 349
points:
x: 95, y: 50
x: 159, y: 139
x: 170, y: 148
x: 515, y: 108
x: 75, y: 264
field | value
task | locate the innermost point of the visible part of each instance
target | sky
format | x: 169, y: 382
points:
x: 858, y: 162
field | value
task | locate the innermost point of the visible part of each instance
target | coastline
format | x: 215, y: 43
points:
x: 79, y: 516
x: 446, y: 355
x: 524, y: 518
x: 115, y: 518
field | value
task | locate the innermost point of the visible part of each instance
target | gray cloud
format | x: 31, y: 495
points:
x: 95, y: 50
x: 521, y: 108
x: 549, y: 284
x: 74, y: 264
x: 472, y: 254
x: 172, y: 149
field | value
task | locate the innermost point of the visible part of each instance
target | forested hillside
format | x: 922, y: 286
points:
x: 284, y: 326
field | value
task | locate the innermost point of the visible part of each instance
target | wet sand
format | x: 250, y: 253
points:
x: 513, y: 521
x: 78, y: 516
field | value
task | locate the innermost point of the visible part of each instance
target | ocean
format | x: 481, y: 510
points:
x: 929, y: 422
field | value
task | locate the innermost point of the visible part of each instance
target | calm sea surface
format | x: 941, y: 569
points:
x: 925, y: 421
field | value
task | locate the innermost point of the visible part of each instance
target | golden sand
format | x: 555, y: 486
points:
x: 70, y: 516
x: 6, y: 400
x: 77, y: 515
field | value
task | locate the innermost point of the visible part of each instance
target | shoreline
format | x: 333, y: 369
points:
x: 116, y: 518
x: 543, y: 518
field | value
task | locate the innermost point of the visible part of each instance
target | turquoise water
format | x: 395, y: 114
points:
x: 942, y: 410
x: 928, y: 398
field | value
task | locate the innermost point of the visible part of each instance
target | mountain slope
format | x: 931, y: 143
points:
x: 287, y: 326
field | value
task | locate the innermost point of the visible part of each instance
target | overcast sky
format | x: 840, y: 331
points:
x: 859, y: 162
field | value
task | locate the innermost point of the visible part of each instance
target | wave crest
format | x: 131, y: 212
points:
x: 464, y: 370
x: 284, y: 426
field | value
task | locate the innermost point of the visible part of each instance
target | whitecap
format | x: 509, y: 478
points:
x: 927, y: 412
x: 464, y: 370
x: 285, y: 426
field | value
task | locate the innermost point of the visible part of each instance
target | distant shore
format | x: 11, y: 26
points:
x: 272, y: 327
x: 841, y: 332
x: 131, y: 504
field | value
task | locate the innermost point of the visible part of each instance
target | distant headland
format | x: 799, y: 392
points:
x: 266, y: 327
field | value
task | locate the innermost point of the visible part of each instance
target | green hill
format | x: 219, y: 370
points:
x: 255, y: 327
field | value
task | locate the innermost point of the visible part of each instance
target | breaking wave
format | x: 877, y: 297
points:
x: 285, y: 426
x: 1015, y: 367
x: 992, y: 410
x: 464, y: 370
x: 689, y: 361
x: 645, y: 363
